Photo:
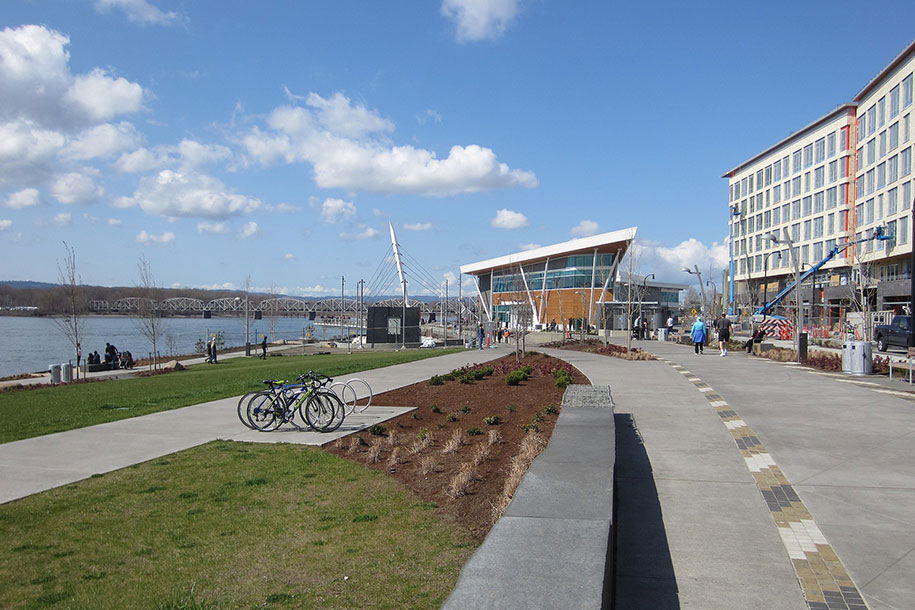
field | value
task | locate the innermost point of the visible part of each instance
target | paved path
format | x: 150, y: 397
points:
x: 774, y: 482
x: 36, y: 464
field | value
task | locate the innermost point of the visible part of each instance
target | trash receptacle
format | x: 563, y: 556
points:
x: 846, y: 357
x: 66, y: 373
x: 55, y: 373
x: 662, y: 334
x: 859, y: 358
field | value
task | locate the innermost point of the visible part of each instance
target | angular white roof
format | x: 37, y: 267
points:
x: 573, y: 246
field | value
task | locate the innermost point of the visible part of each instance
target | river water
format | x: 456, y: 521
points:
x: 31, y: 344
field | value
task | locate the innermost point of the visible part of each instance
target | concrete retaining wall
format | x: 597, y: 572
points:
x: 552, y: 546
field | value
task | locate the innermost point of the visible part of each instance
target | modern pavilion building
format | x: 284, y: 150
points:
x: 563, y: 282
x: 831, y: 182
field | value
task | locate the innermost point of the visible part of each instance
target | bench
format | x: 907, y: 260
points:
x: 760, y: 347
x: 907, y: 365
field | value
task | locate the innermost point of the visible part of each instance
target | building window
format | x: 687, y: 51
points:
x: 879, y: 214
x: 907, y: 91
x: 869, y: 212
x: 905, y: 128
x: 807, y: 226
x: 843, y: 167
x: 843, y: 139
x: 767, y: 220
x: 871, y: 120
x: 796, y: 186
x: 768, y: 175
x: 860, y: 186
x: 759, y: 179
x: 894, y: 135
x: 819, y: 177
x: 881, y: 111
x: 871, y: 153
x: 859, y: 214
x: 830, y: 224
x: 807, y: 182
x: 786, y: 216
x: 808, y: 155
x: 906, y: 195
x: 750, y: 184
x: 892, y: 169
x: 862, y: 126
x: 796, y: 161
x: 805, y: 252
x: 894, y: 102
x: 819, y: 150
x: 882, y: 139
x: 750, y: 222
x: 796, y: 232
x: 818, y: 227
x: 776, y: 193
x: 905, y: 162
x: 831, y: 145
x: 891, y: 203
x: 818, y: 202
x: 831, y: 197
x: 818, y: 251
x: 881, y: 175
x: 776, y: 216
x: 869, y: 177
x: 903, y: 232
x: 777, y: 171
x: 795, y: 209
x: 833, y: 171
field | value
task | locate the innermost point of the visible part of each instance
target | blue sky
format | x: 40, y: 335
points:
x: 276, y: 140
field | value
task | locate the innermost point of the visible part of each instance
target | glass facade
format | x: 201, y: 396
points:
x: 564, y: 272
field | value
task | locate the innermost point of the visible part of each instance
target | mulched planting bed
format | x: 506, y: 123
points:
x: 597, y: 347
x: 434, y: 470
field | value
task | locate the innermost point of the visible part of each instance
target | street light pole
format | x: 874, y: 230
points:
x: 342, y: 309
x: 714, y: 296
x: 695, y: 271
x: 642, y: 298
x: 799, y: 345
x: 735, y: 212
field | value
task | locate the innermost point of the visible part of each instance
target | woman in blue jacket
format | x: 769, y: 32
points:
x: 698, y: 335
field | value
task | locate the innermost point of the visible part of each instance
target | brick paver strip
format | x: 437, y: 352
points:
x: 823, y: 578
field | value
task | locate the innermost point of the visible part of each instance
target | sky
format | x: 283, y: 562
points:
x: 225, y: 140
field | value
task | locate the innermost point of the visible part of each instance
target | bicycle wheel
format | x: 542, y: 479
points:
x: 262, y: 412
x: 368, y: 399
x: 324, y: 411
x: 242, y: 408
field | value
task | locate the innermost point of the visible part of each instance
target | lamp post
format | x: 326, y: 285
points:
x: 735, y: 212
x: 695, y: 271
x: 800, y: 342
x: 247, y: 343
x: 642, y: 298
x: 766, y: 277
x: 714, y: 296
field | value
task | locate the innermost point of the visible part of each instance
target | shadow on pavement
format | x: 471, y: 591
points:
x: 644, y: 571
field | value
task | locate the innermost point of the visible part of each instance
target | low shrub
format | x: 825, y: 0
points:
x: 529, y: 428
x: 377, y: 429
x: 466, y: 409
x: 452, y: 417
x: 474, y: 432
x: 492, y: 420
x: 514, y: 378
x: 436, y: 380
x: 551, y: 410
x: 436, y: 409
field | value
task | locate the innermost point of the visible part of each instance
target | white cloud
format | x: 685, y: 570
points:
x: 508, y: 219
x: 314, y: 291
x: 172, y: 193
x: 585, y: 228
x: 27, y: 151
x: 333, y: 209
x: 102, y: 141
x: 25, y: 198
x: 451, y: 277
x: 347, y: 149
x: 101, y: 97
x: 365, y: 233
x: 418, y: 226
x: 341, y: 118
x: 429, y: 115
x: 63, y: 219
x: 289, y: 256
x: 529, y: 246
x: 194, y: 153
x: 149, y: 239
x: 139, y: 11
x: 5, y: 224
x: 114, y: 222
x: 141, y: 160
x: 223, y: 286
x: 75, y: 188
x: 480, y: 19
x: 212, y: 227
x: 249, y: 230
x: 666, y: 262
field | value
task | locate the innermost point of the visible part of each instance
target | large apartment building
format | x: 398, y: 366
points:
x: 832, y: 182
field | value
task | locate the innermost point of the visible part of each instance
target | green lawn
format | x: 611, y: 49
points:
x: 229, y: 525
x: 29, y: 413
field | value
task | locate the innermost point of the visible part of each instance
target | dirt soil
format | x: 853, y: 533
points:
x: 454, y: 406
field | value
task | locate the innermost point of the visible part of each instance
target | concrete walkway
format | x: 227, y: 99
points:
x: 36, y: 464
x: 774, y: 483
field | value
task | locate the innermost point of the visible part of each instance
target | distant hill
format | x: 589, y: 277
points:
x: 26, y: 284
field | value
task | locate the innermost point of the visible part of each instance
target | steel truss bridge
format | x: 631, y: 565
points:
x: 277, y: 306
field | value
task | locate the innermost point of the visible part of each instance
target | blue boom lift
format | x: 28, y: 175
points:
x: 879, y: 234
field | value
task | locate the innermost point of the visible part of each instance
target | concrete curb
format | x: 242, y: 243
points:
x: 552, y: 546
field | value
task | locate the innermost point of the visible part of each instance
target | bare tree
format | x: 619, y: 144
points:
x: 149, y: 322
x: 72, y: 323
x: 273, y: 313
x: 861, y: 294
x: 633, y: 289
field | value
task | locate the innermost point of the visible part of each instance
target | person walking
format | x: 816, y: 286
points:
x: 698, y: 334
x: 212, y: 349
x: 723, y: 326
x: 264, y: 348
x: 480, y: 336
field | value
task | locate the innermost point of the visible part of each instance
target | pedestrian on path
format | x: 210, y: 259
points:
x: 264, y: 348
x: 723, y: 326
x: 698, y: 335
x: 480, y: 336
x: 212, y: 350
